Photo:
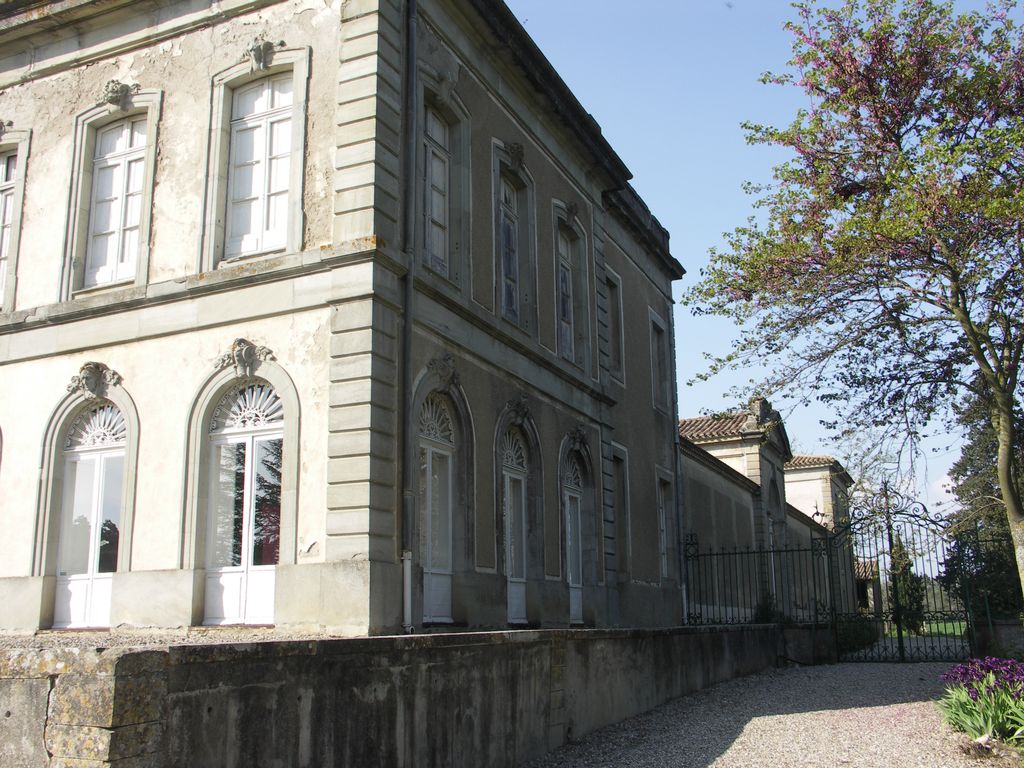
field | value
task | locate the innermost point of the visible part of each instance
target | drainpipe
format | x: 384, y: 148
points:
x: 408, y: 244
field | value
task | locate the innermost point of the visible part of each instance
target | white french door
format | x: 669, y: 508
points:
x: 515, y: 544
x: 436, y: 504
x: 89, y: 537
x: 574, y: 555
x: 243, y: 528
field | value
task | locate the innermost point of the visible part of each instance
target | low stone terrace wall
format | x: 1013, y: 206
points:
x: 488, y: 698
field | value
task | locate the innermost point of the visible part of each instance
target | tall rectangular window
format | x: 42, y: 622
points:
x: 565, y: 298
x: 436, y: 192
x: 8, y: 175
x: 621, y: 501
x: 665, y: 505
x: 115, y: 210
x: 659, y: 363
x: 112, y: 181
x: 259, y: 166
x: 615, y: 342
x: 508, y: 236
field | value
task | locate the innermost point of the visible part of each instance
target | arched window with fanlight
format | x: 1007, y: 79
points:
x: 572, y: 501
x: 243, y: 522
x: 91, y: 518
x: 514, y: 469
x: 436, y: 456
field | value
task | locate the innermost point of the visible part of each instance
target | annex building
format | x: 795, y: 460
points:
x: 323, y: 314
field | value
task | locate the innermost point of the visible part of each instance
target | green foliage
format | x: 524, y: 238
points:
x: 906, y: 588
x: 981, y: 558
x: 856, y: 633
x: 983, y: 699
x: 883, y: 273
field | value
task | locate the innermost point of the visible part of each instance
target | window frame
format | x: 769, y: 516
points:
x: 576, y: 261
x: 437, y: 97
x: 87, y: 127
x: 615, y: 340
x: 660, y: 358
x: 15, y: 142
x: 121, y: 159
x: 505, y: 170
x: 224, y: 84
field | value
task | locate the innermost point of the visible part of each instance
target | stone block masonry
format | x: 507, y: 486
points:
x: 495, y: 698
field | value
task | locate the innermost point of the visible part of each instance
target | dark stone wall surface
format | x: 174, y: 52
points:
x: 489, y: 698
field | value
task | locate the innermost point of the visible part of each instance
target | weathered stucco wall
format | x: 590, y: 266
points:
x: 493, y: 699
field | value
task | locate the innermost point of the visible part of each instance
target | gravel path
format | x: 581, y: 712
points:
x: 856, y: 715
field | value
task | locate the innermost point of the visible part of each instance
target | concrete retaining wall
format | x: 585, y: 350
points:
x: 494, y: 699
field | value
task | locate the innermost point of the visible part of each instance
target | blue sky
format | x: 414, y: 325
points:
x: 670, y: 82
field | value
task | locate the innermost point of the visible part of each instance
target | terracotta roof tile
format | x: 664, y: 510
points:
x: 804, y: 460
x: 713, y: 427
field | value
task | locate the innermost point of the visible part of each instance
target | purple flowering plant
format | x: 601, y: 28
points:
x: 985, y: 699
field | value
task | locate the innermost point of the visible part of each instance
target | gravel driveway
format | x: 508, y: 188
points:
x: 858, y: 715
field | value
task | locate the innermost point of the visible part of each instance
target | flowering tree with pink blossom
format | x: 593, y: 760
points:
x: 884, y: 272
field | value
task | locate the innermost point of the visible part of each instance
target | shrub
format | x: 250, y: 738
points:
x: 855, y: 633
x: 984, y: 699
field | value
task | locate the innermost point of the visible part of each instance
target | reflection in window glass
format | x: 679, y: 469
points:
x: 266, y: 526
x: 224, y: 545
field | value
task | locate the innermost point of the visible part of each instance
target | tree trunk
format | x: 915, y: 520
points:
x: 1006, y: 470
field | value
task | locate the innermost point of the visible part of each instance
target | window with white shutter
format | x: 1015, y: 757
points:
x: 8, y: 176
x: 115, y: 203
x: 437, y: 192
x: 259, y: 166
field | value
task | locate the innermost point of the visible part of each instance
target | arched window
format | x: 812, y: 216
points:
x: 91, y: 517
x: 572, y: 501
x: 514, y: 466
x: 243, y: 524
x: 436, y: 455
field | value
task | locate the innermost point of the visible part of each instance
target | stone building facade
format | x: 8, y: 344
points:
x: 315, y: 313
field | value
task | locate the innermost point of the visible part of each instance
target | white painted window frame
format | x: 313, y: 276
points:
x: 526, y: 239
x: 76, y: 241
x: 16, y: 143
x: 121, y: 159
x: 435, y: 149
x: 225, y: 82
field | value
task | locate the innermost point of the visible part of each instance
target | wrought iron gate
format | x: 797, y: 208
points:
x: 893, y: 584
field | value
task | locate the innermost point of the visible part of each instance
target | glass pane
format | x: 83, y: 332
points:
x: 76, y: 522
x: 277, y: 219
x: 10, y: 167
x: 248, y: 100
x: 132, y: 210
x: 423, y: 503
x: 110, y: 140
x: 437, y: 128
x: 227, y: 506
x: 103, y: 216
x: 280, y: 137
x: 138, y: 137
x: 280, y: 168
x: 110, y: 513
x: 136, y: 174
x: 516, y: 533
x: 440, y: 511
x: 100, y: 253
x: 107, y: 182
x: 129, y: 248
x: 573, y: 540
x: 281, y: 88
x: 564, y: 294
x: 243, y: 215
x: 246, y: 146
x: 266, y: 524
